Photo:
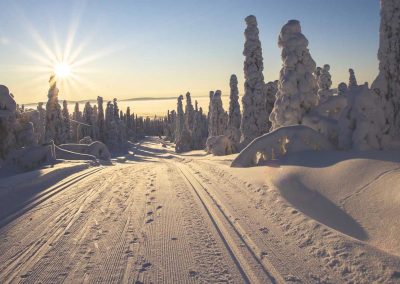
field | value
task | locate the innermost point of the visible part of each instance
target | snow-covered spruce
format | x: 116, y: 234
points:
x: 54, y: 118
x: 200, y: 131
x: 289, y: 139
x: 66, y: 121
x: 234, y: 116
x: 255, y: 116
x: 189, y: 112
x: 352, y: 79
x: 324, y: 82
x: 182, y: 134
x: 8, y: 108
x: 297, y: 90
x: 217, y: 118
x: 100, y: 118
x: 361, y: 121
x: 387, y: 83
x: 270, y: 90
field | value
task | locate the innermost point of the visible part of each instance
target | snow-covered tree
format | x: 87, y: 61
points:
x: 41, y: 127
x: 211, y: 94
x: 8, y: 108
x: 217, y: 118
x: 54, y: 118
x: 189, y: 112
x: 297, y: 90
x: 342, y: 88
x: 324, y: 82
x: 255, y: 117
x: 270, y: 90
x: 234, y: 116
x: 387, y: 83
x: 200, y: 131
x: 100, y: 119
x: 352, y: 79
x: 67, y: 122
x: 182, y: 134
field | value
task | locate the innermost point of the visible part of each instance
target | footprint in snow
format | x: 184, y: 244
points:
x: 146, y: 266
x: 149, y: 221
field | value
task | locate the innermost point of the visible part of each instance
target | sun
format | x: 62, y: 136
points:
x: 62, y: 70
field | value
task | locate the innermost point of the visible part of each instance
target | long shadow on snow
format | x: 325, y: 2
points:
x: 319, y: 208
x: 321, y: 159
x: 15, y: 200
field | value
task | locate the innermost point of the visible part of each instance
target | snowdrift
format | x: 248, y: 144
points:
x: 365, y: 205
x: 288, y: 139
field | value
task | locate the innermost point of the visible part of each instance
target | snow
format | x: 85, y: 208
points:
x: 297, y: 89
x: 220, y: 145
x: 255, y: 116
x: 305, y: 217
x: 282, y: 141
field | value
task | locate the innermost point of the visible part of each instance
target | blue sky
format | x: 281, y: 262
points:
x: 165, y: 48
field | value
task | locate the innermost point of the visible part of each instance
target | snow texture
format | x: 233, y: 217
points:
x: 284, y: 140
x: 254, y: 117
x: 96, y: 149
x: 297, y: 90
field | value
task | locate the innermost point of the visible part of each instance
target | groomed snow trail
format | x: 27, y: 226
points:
x: 138, y: 222
x: 158, y: 218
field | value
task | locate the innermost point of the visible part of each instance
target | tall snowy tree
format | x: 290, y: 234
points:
x: 66, y: 122
x: 387, y: 84
x: 189, y: 112
x: 218, y: 118
x: 270, y: 90
x: 182, y: 134
x: 100, y: 118
x: 324, y: 82
x: 234, y: 116
x: 352, y: 79
x: 54, y: 118
x: 255, y: 117
x: 297, y: 90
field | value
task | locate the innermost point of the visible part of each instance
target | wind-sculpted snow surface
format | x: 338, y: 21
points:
x: 387, y: 84
x: 297, y: 91
x: 255, y: 116
x: 284, y: 140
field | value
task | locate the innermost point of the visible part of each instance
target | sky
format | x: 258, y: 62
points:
x: 131, y: 48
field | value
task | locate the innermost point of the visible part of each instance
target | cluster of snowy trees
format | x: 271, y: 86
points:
x: 28, y: 132
x: 351, y: 117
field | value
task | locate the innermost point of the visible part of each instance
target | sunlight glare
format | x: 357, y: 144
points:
x: 62, y: 70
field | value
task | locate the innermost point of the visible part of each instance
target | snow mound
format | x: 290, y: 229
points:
x: 220, y: 145
x: 365, y: 206
x: 96, y: 149
x: 289, y: 139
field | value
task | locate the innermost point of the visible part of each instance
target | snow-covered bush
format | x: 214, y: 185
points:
x: 220, y: 145
x: 288, y: 139
x: 86, y: 140
x: 29, y: 158
x: 297, y: 89
x: 361, y: 121
x: 255, y: 116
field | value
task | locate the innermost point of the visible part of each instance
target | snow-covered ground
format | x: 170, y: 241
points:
x: 321, y: 217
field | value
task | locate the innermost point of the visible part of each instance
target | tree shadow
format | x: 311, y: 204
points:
x: 321, y: 209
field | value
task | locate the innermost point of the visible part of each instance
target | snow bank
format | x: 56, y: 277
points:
x: 289, y: 139
x: 96, y: 149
